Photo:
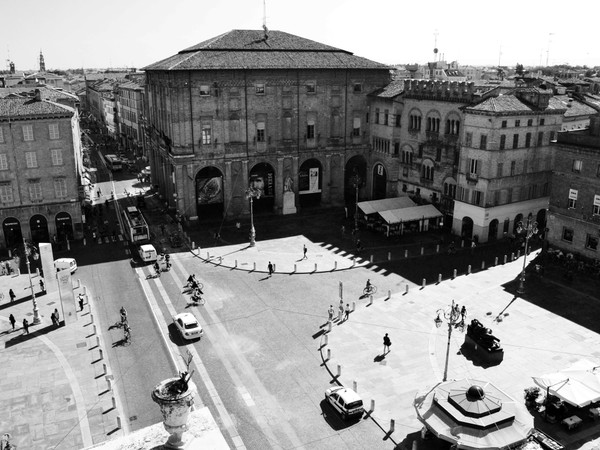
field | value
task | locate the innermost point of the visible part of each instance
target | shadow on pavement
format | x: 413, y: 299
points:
x: 32, y: 334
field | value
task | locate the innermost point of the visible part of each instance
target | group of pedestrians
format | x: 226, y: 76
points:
x: 343, y: 312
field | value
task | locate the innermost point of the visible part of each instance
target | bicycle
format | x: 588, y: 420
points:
x: 126, y: 335
x: 371, y: 289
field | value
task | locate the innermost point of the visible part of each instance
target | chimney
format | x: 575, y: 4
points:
x: 38, y: 96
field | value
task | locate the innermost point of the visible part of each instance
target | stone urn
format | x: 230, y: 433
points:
x: 175, y: 397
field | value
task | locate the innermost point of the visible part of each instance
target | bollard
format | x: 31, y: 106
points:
x: 422, y: 251
x: 389, y: 293
x: 37, y: 271
x: 469, y: 269
x: 389, y: 256
x: 274, y: 268
x: 114, y: 403
x: 78, y: 283
x: 9, y: 253
x: 335, y: 265
x: 101, y: 354
x: 118, y: 422
x: 235, y: 263
x: 91, y: 318
x: 407, y: 288
x: 392, y: 426
x: 328, y: 354
x: 193, y: 245
x: 339, y: 370
x: 424, y: 282
x: 220, y: 260
x: 94, y: 332
x: 294, y: 267
x: 355, y: 386
x: 326, y: 340
x: 454, y: 274
x: 518, y: 254
x: 353, y: 261
x: 108, y: 384
x: 439, y: 277
x: 329, y: 327
x: 68, y: 245
x: 496, y: 261
x: 85, y: 290
x: 19, y: 272
x: 437, y: 248
x: 353, y: 306
x: 207, y: 255
x: 512, y: 256
x: 370, y: 299
x: 406, y: 253
x: 372, y: 405
x: 254, y: 266
x: 98, y: 341
x: 415, y: 445
x: 504, y: 259
x: 315, y: 267
x: 371, y: 258
x: 462, y: 243
x: 104, y: 370
x: 84, y: 242
x: 482, y: 265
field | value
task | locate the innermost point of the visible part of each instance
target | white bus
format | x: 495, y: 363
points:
x: 113, y: 162
x: 136, y: 228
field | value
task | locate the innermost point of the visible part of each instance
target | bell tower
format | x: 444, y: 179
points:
x: 42, y: 63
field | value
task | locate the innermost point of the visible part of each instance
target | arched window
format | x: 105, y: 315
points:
x: 414, y: 120
x: 427, y: 170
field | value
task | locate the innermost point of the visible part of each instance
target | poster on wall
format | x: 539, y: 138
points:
x: 308, y: 181
x: 263, y: 179
x: 210, y: 190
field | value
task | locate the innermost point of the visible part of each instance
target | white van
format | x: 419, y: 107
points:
x: 147, y: 253
x: 65, y: 264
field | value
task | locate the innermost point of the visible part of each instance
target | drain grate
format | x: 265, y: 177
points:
x: 81, y: 345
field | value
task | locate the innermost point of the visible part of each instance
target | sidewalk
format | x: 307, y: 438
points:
x: 53, y: 392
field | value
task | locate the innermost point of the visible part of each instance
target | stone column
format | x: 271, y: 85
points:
x: 246, y: 208
x: 227, y: 185
x: 295, y: 177
x: 279, y: 186
x: 326, y: 191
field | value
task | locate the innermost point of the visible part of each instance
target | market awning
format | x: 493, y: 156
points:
x: 374, y: 206
x: 410, y: 214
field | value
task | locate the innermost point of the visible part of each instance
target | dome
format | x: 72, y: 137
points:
x: 475, y: 393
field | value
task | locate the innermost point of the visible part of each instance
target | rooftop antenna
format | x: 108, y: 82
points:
x: 499, y: 55
x: 548, y: 50
x: 266, y: 30
x: 435, y: 49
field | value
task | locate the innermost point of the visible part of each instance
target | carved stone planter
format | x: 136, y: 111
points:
x: 175, y: 408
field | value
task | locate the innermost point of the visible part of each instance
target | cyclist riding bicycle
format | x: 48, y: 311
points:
x: 368, y: 287
x: 123, y: 315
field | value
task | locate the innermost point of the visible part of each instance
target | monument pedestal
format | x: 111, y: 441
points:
x: 289, y: 203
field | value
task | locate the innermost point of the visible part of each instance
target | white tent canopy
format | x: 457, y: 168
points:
x: 375, y: 206
x: 410, y: 214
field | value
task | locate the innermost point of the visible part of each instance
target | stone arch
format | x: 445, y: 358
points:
x: 452, y: 123
x: 310, y: 182
x: 427, y: 169
x: 210, y: 192
x: 356, y: 166
x: 466, y: 230
x: 262, y: 176
x: 379, y: 181
x: 433, y: 121
x: 38, y: 226
x: 415, y: 117
x: 13, y: 235
x: 518, y: 218
x: 493, y: 230
x: 407, y: 154
x: 64, y: 226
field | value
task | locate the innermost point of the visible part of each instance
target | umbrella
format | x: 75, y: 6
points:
x: 474, y: 415
x: 578, y: 385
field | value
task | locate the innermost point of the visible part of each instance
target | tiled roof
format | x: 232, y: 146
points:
x: 46, y: 92
x: 247, y: 49
x: 392, y: 90
x: 25, y: 107
x: 574, y: 108
x: 502, y: 103
x: 130, y: 85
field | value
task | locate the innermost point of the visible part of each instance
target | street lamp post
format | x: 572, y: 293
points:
x: 528, y: 229
x: 36, y: 315
x: 454, y: 319
x: 251, y: 194
x: 356, y: 181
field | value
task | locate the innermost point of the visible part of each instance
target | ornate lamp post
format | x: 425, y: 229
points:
x: 528, y: 229
x: 251, y: 194
x: 454, y: 318
x: 356, y: 182
x: 28, y: 252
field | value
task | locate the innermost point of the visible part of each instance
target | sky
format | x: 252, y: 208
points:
x: 135, y: 33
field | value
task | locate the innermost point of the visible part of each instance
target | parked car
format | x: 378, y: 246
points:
x: 188, y: 326
x: 147, y: 253
x: 65, y: 264
x: 345, y: 401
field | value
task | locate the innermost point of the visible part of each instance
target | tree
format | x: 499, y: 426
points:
x: 520, y: 70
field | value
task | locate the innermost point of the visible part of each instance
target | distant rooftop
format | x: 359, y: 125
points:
x: 23, y: 108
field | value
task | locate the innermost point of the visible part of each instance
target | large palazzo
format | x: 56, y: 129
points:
x: 254, y: 108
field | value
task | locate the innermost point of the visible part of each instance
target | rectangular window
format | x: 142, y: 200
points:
x: 502, y: 142
x: 473, y: 166
x: 60, y: 187
x: 204, y: 90
x: 468, y: 139
x: 259, y: 88
x: 567, y: 234
x: 513, y: 167
x: 517, y: 123
x: 356, y: 127
x: 528, y: 140
x: 596, y: 208
x: 310, y: 131
x: 540, y: 138
x: 56, y: 154
x: 542, y: 121
x: 396, y: 149
x: 3, y: 161
x: 500, y: 169
x: 6, y: 193
x: 504, y: 124
x: 35, y: 190
x: 515, y: 141
x: 483, y: 142
x: 357, y: 87
x: 398, y: 118
x: 529, y: 122
x: 572, y: 198
x: 28, y: 132
x: 311, y: 88
x: 260, y: 132
x: 577, y: 164
x: 1, y: 136
x: 206, y: 134
x: 30, y: 160
x: 438, y: 154
x: 376, y: 115
x: 53, y: 131
x: 591, y: 242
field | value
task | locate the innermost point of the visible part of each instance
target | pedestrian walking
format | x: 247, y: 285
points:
x: 270, y: 266
x: 26, y: 326
x: 473, y: 245
x: 12, y: 320
x: 42, y: 285
x: 304, y: 252
x: 57, y: 317
x: 53, y: 317
x: 463, y: 313
x: 12, y: 295
x: 98, y: 193
x: 81, y: 298
x: 330, y: 311
x: 340, y: 311
x: 387, y: 343
x: 347, y: 312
